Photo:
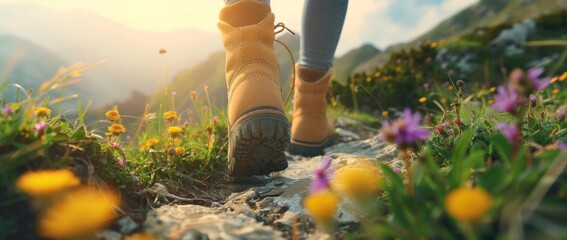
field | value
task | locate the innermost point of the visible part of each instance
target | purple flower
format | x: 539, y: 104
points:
x: 398, y: 61
x: 507, y: 100
x: 215, y: 120
x: 536, y: 82
x: 7, y: 110
x: 40, y: 126
x: 510, y: 131
x: 450, y: 132
x: 122, y: 162
x: 397, y: 170
x: 323, y: 173
x: 533, y: 100
x: 113, y: 145
x: 406, y: 131
x: 426, y: 86
x: 560, y: 115
x: 561, y: 145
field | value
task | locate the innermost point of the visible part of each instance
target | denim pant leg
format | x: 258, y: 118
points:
x: 227, y: 2
x: 322, y: 25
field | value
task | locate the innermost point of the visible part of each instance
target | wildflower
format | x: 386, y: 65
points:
x: 81, y: 212
x: 468, y: 204
x: 560, y: 115
x: 322, y: 205
x: 507, y: 100
x: 426, y: 86
x: 422, y: 99
x: 561, y: 145
x: 492, y: 89
x: 533, y: 77
x: 116, y: 129
x: 404, y: 132
x: 358, y: 180
x: 193, y: 95
x: 42, y: 112
x: 206, y: 88
x: 397, y: 170
x: 563, y: 77
x: 533, y: 100
x: 173, y: 93
x: 179, y: 150
x: 46, y: 182
x: 555, y: 91
x: 215, y: 120
x: 113, y: 115
x: 140, y: 236
x: 174, y: 131
x: 40, y: 126
x: 150, y: 143
x: 170, y: 115
x: 510, y: 131
x: 7, y: 110
x: 460, y: 83
x: 114, y: 145
x: 440, y: 129
x: 322, y: 175
x: 162, y: 51
x: 385, y: 113
x: 450, y: 132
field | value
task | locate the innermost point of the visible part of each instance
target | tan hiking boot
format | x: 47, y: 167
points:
x: 311, y: 131
x: 258, y: 127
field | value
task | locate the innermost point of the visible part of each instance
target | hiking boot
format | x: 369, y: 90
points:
x: 258, y: 127
x: 311, y: 131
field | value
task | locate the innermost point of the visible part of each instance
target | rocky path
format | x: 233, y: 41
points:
x: 267, y: 207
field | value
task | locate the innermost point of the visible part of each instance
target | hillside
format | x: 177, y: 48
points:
x: 485, y: 13
x: 31, y: 66
x: 132, y: 60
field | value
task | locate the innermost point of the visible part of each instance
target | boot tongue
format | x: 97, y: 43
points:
x: 244, y: 13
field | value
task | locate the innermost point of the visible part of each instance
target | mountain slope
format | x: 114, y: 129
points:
x: 35, y: 66
x: 348, y: 62
x: 132, y: 60
x: 485, y: 13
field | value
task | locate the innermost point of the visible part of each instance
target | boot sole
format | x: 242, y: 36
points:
x: 257, y: 145
x: 311, y: 150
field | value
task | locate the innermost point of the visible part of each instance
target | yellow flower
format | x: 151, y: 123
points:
x: 357, y: 180
x: 563, y: 77
x: 385, y: 113
x: 554, y: 79
x: 492, y: 89
x: 113, y: 115
x: 322, y: 205
x: 140, y: 236
x: 46, y: 182
x: 368, y: 79
x: 150, y: 143
x: 170, y: 115
x: 116, y: 129
x: 450, y: 87
x: 490, y: 101
x: 193, y: 95
x: 174, y: 131
x: 468, y: 204
x: 42, y: 112
x: 81, y: 212
x: 443, y: 100
x: 179, y: 150
x: 433, y: 45
x: 377, y: 74
x: 422, y: 99
x: 555, y: 91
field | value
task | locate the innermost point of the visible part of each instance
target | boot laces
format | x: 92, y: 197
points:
x: 278, y: 28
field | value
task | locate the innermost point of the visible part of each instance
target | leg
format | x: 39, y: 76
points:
x: 258, y: 127
x: 322, y: 25
x: 311, y: 131
x: 228, y: 2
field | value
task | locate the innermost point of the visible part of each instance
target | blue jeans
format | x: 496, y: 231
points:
x: 322, y: 24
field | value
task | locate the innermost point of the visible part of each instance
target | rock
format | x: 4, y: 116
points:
x: 127, y: 225
x: 197, y: 222
x: 370, y: 148
x: 108, y: 235
x: 347, y: 134
x: 514, y: 38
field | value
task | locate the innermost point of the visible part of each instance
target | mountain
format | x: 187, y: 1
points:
x: 132, y: 60
x: 485, y: 13
x: 29, y: 65
x: 345, y: 64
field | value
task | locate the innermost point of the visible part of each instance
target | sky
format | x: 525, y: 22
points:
x: 379, y: 22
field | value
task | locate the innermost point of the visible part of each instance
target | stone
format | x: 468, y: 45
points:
x: 183, y: 221
x: 127, y: 225
x: 109, y: 235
